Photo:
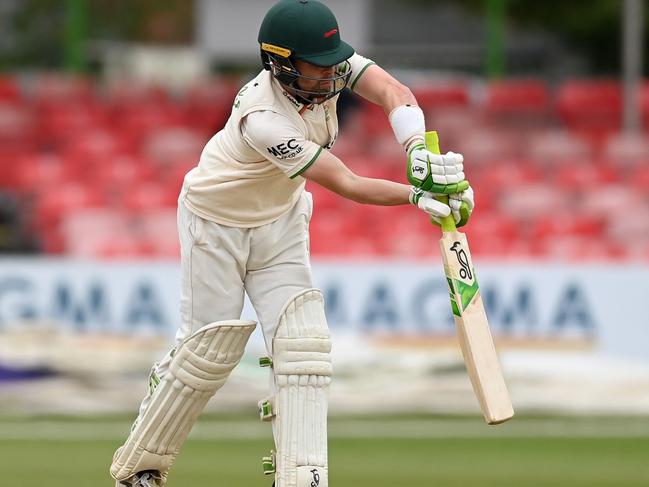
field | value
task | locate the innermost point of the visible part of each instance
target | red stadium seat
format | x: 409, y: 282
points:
x: 57, y: 201
x: 644, y: 103
x: 441, y: 94
x: 174, y: 176
x: 17, y: 128
x: 131, y: 152
x: 484, y: 146
x: 613, y: 201
x: 53, y: 205
x: 330, y: 232
x: 557, y: 147
x: 323, y: 199
x: 627, y: 149
x: 60, y: 124
x: 566, y: 223
x: 120, y: 247
x: 528, y: 202
x: 85, y: 231
x: 590, y: 106
x: 208, y: 104
x: 492, y: 246
x: 374, y: 122
x: 584, y: 175
x: 147, y: 197
x: 88, y: 151
x: 639, y: 179
x: 577, y: 249
x: 9, y: 89
x: 60, y: 90
x: 136, y: 122
x: 386, y: 150
x: 159, y: 233
x: 489, y: 224
x: 213, y: 90
x: 121, y: 173
x: 503, y: 174
x: 349, y: 143
x: 172, y: 145
x: 517, y: 104
x: 410, y: 246
x: 37, y: 173
x: 453, y: 124
x: 630, y: 228
x: 126, y: 93
x: 517, y: 96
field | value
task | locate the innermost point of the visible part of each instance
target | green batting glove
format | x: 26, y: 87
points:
x: 461, y: 205
x: 435, y: 173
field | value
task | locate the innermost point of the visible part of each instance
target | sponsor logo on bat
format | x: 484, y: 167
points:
x: 316, y: 478
x: 463, y: 260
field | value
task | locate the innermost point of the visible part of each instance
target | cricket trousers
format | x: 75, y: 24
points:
x: 220, y: 264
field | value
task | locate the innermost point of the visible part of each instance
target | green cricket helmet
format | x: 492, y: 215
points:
x: 306, y: 30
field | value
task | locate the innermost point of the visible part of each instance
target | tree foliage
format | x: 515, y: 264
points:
x: 591, y: 28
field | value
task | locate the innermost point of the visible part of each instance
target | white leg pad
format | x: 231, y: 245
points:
x: 199, y: 368
x: 302, y: 369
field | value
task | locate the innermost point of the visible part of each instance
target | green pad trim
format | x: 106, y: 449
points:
x: 265, y: 362
x: 266, y: 411
x: 268, y: 464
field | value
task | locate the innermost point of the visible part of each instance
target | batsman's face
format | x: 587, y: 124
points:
x: 316, y: 85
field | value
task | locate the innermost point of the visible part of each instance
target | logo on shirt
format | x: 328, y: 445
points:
x: 292, y: 99
x: 286, y: 150
x: 331, y: 142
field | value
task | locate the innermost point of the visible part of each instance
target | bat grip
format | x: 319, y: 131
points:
x: 447, y: 222
x: 432, y: 144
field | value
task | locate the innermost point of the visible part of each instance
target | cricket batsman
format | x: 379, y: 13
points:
x: 243, y: 218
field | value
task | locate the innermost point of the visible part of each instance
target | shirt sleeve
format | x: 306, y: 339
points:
x: 358, y: 66
x: 277, y: 139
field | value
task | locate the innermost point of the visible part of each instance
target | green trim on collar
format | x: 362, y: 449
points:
x: 361, y: 74
x: 307, y: 165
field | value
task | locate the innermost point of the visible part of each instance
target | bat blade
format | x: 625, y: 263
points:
x: 473, y: 330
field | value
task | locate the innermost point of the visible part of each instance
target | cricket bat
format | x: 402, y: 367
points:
x: 471, y: 322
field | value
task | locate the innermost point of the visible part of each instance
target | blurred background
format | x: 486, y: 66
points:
x: 105, y: 105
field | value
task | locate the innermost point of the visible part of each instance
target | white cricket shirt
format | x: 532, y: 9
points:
x: 249, y: 172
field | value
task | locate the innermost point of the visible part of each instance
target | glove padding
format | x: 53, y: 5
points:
x: 462, y: 205
x: 426, y: 201
x: 434, y: 172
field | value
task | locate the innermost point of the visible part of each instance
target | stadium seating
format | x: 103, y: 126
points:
x: 9, y: 89
x: 98, y: 168
x: 592, y: 108
x: 518, y: 104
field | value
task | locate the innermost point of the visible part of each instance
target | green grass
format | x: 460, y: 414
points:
x: 37, y: 452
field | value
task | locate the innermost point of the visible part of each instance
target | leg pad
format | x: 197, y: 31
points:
x: 302, y: 371
x: 199, y: 368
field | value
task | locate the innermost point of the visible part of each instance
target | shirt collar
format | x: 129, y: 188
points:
x: 299, y: 107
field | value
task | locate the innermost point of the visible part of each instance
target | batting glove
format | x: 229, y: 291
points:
x: 461, y: 205
x: 442, y: 174
x: 426, y: 201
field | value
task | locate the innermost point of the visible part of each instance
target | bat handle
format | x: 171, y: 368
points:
x: 432, y: 144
